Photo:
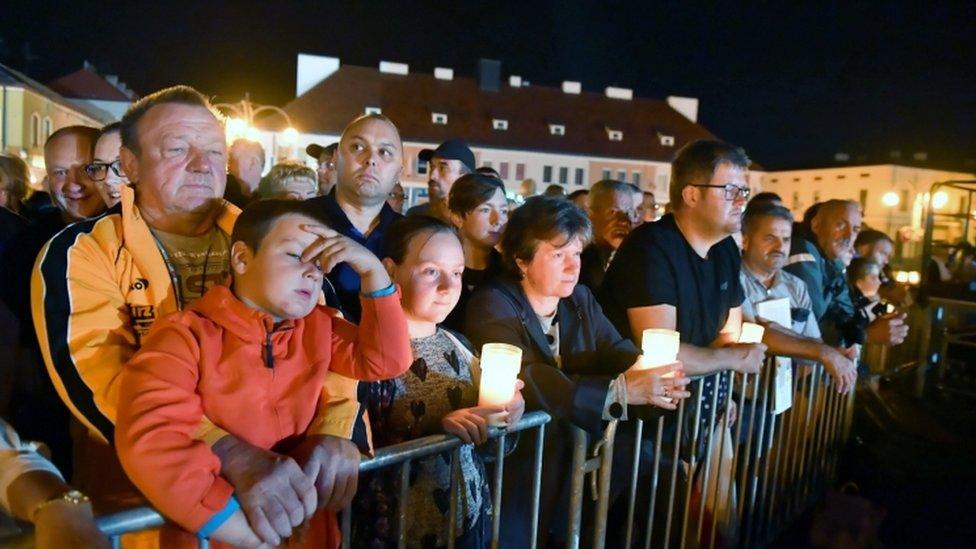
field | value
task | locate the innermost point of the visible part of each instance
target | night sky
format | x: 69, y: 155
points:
x: 793, y: 85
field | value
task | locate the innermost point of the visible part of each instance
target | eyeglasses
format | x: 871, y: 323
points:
x: 398, y: 196
x: 98, y: 170
x: 329, y: 165
x: 732, y: 192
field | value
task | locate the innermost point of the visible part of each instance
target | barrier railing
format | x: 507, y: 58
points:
x: 711, y: 480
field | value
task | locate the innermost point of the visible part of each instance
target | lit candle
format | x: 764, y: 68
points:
x: 751, y: 333
x: 659, y: 348
x: 500, y: 365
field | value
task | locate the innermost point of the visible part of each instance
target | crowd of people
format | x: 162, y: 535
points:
x: 225, y: 346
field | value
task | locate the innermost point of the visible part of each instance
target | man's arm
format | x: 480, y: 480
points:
x: 82, y: 326
x: 700, y: 361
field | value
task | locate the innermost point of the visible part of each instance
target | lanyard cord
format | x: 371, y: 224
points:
x: 174, y: 277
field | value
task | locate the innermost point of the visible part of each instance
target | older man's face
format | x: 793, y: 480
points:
x: 766, y: 244
x: 72, y: 191
x: 328, y: 176
x: 612, y: 217
x: 368, y: 161
x: 836, y: 226
x: 182, y: 165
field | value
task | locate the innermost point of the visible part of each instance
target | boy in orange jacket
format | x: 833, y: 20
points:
x: 251, y: 361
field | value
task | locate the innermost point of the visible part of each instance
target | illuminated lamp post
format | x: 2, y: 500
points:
x: 890, y: 199
x: 240, y: 123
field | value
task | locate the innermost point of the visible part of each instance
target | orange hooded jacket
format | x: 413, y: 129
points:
x: 212, y: 360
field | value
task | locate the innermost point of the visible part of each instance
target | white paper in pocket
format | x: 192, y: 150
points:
x: 783, y: 385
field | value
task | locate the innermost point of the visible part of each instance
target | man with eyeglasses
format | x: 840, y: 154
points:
x: 36, y: 410
x: 682, y: 271
x: 397, y: 197
x: 106, y: 169
x: 328, y: 176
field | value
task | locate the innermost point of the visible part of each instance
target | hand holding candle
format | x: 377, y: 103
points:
x: 751, y: 333
x: 500, y: 365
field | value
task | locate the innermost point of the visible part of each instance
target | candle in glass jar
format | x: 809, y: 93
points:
x: 659, y: 347
x: 500, y: 365
x: 751, y: 333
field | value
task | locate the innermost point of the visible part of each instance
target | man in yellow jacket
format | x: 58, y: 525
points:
x: 100, y: 284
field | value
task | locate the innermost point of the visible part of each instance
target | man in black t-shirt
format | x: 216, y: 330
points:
x: 682, y: 272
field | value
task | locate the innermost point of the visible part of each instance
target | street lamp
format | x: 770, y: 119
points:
x: 890, y: 199
x: 940, y: 199
x: 242, y: 115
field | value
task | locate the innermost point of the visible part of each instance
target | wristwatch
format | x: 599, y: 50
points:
x: 71, y: 497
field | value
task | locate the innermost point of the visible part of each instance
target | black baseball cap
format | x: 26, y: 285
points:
x: 452, y: 149
x: 315, y: 150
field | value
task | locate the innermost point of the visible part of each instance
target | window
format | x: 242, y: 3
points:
x: 841, y: 177
x: 615, y: 135
x: 421, y: 167
x: 818, y: 178
x: 863, y: 198
x: 438, y: 118
x: 865, y: 175
x: 796, y: 200
x: 579, y: 177
x: 499, y: 124
x: 816, y: 196
x: 503, y: 169
x: 374, y: 110
x: 773, y: 180
x: 622, y: 175
x: 636, y: 178
x: 547, y: 174
x: 563, y: 175
x: 666, y: 140
x: 557, y: 129
x: 35, y: 130
x: 48, y: 130
x: 606, y: 174
x: 903, y: 204
x: 520, y: 171
x: 795, y: 180
x: 487, y: 163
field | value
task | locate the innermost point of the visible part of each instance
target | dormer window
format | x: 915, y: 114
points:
x: 499, y: 124
x: 438, y: 118
x: 374, y: 110
x: 557, y: 129
x: 615, y: 135
x: 666, y: 140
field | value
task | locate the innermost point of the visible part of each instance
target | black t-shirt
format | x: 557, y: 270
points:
x: 655, y: 265
x: 471, y: 280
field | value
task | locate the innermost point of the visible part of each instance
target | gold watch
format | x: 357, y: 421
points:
x: 71, y: 497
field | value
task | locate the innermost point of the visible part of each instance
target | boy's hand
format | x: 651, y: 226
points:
x: 333, y: 464
x: 332, y: 248
x: 273, y: 492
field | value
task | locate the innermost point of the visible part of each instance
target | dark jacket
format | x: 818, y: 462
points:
x: 592, y: 354
x: 595, y: 259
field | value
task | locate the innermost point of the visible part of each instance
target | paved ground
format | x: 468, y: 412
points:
x: 916, y: 458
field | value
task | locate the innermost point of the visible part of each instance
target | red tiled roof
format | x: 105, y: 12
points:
x: 410, y: 99
x: 87, y: 84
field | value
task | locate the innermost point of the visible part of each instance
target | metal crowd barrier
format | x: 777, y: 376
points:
x: 729, y: 484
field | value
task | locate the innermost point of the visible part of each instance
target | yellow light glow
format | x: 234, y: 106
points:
x: 940, y: 199
x: 890, y: 199
x: 901, y: 276
x: 252, y: 134
x: 289, y: 136
x: 914, y: 277
x: 235, y: 129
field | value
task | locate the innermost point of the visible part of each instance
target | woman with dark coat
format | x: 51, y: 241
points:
x: 575, y: 365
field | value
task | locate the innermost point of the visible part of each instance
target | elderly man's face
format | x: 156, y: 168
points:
x: 369, y: 160
x: 880, y: 252
x: 836, y: 226
x: 182, y: 165
x: 766, y: 244
x: 72, y: 191
x: 612, y: 217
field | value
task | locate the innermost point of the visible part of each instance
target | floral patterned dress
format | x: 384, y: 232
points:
x: 411, y: 406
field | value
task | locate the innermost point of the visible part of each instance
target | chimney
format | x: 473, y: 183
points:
x: 389, y: 67
x: 112, y: 79
x: 441, y: 73
x: 572, y: 87
x: 686, y: 106
x: 313, y: 69
x: 620, y: 93
x: 489, y: 74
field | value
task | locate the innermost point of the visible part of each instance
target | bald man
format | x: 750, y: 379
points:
x: 368, y: 162
x: 817, y: 256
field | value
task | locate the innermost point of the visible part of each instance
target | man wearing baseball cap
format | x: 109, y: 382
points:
x: 328, y: 176
x: 446, y: 164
